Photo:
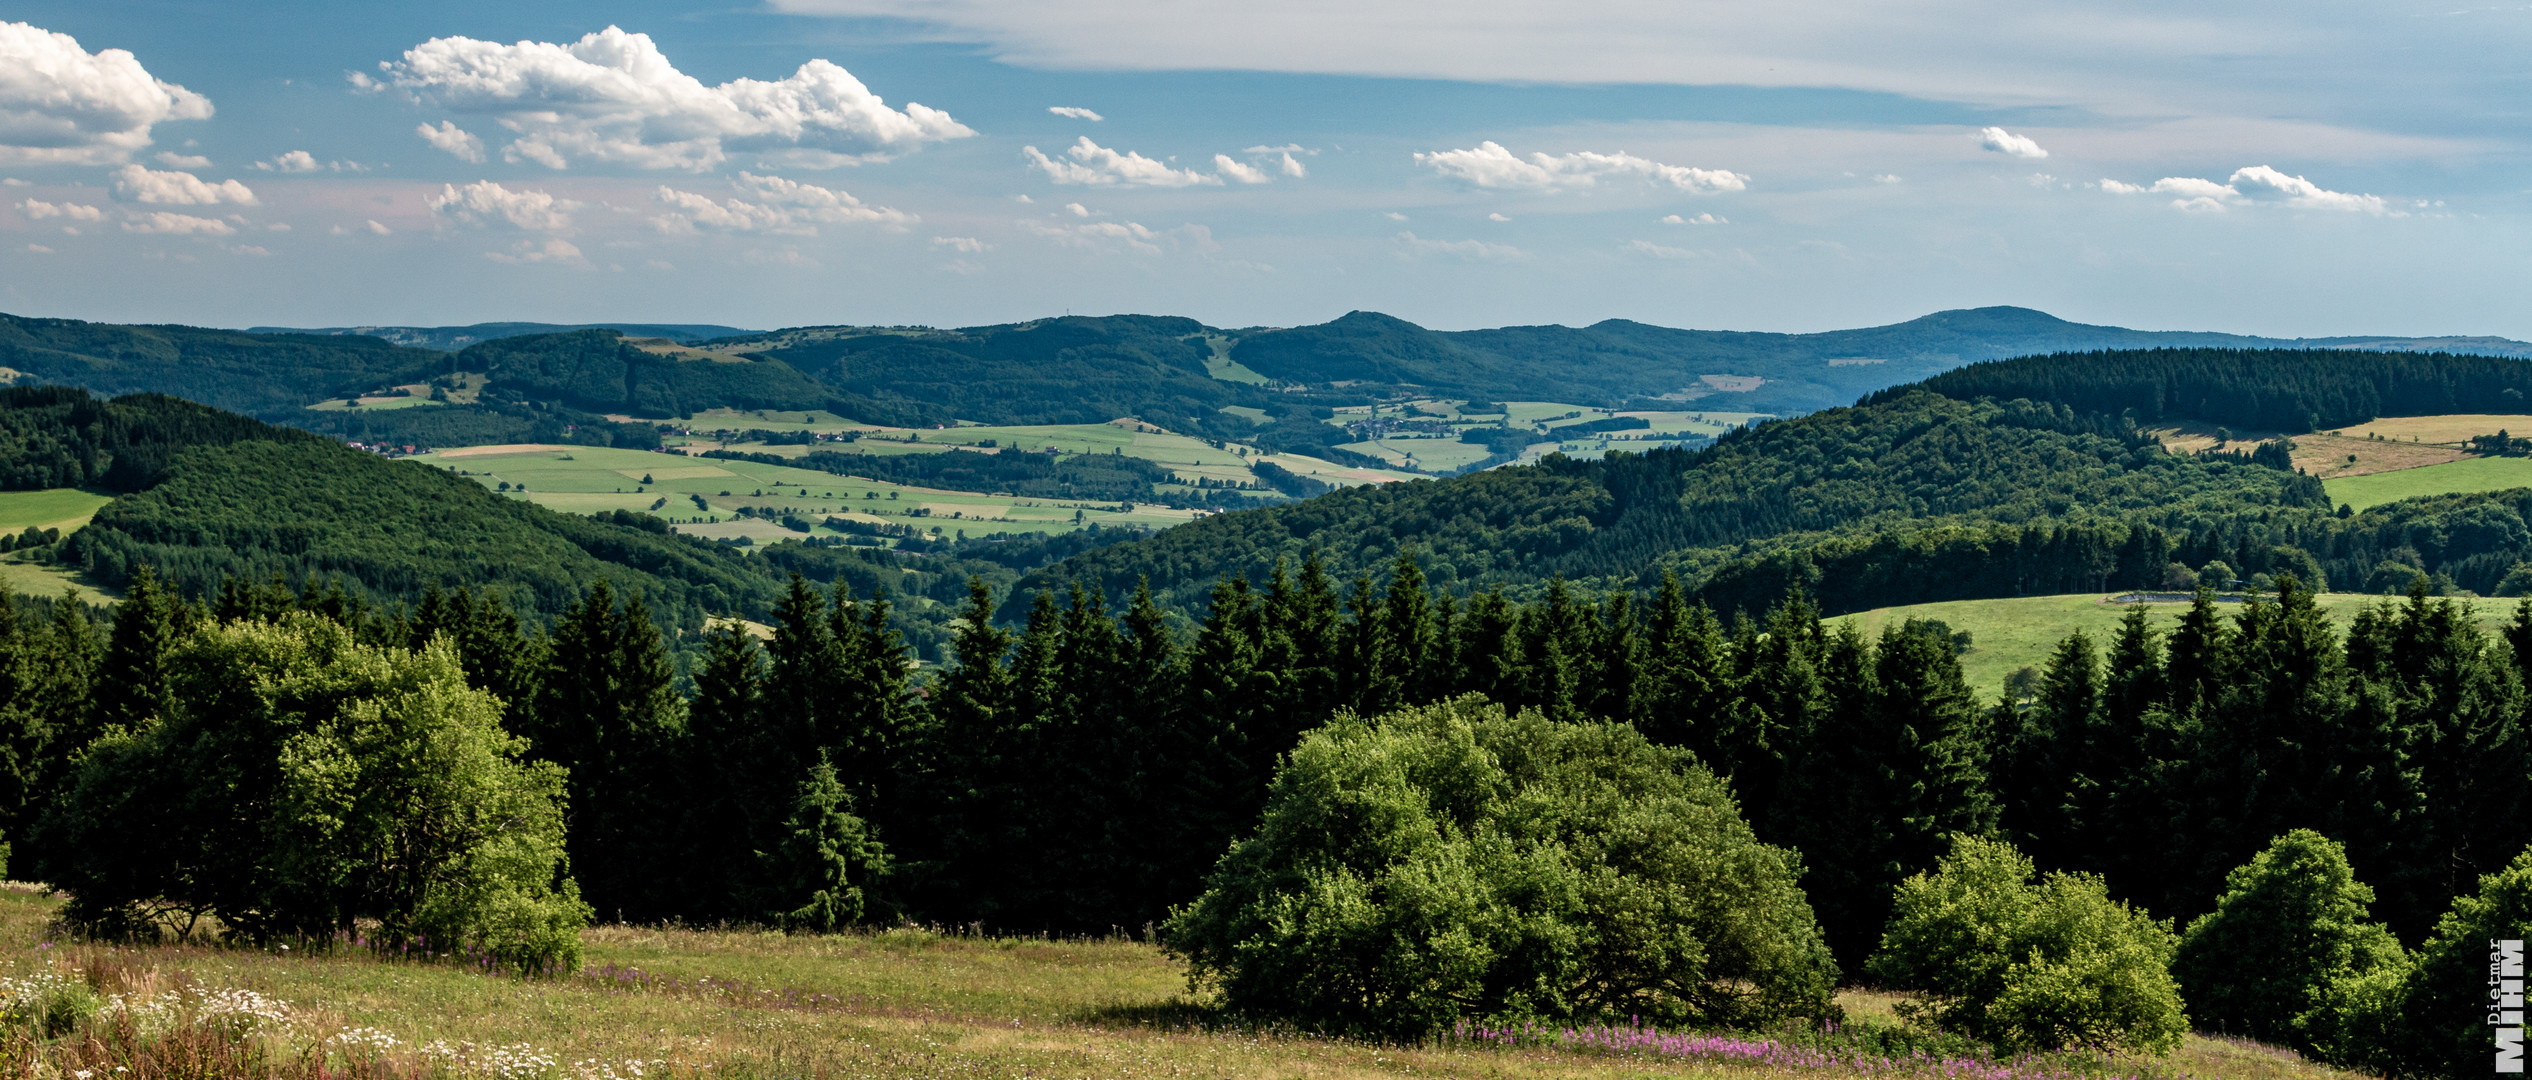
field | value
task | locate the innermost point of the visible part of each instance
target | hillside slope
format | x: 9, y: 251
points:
x: 453, y: 338
x: 1911, y: 497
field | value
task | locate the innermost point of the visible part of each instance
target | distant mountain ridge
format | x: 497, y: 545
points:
x: 453, y: 338
x: 1264, y: 385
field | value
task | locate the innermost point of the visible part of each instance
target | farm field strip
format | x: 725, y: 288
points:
x: 2017, y: 632
x: 1190, y: 457
x: 51, y: 508
x: 588, y: 480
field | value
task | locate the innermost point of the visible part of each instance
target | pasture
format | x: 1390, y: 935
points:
x: 1186, y: 455
x: 900, y: 1003
x: 2022, y: 631
x: 2466, y: 475
x: 702, y: 496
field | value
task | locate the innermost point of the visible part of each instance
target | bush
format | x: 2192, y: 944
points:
x: 301, y: 781
x: 2291, y: 925
x: 2431, y: 1018
x: 2047, y: 965
x: 1452, y: 863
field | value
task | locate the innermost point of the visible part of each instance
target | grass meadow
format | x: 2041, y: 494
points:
x: 2021, y: 631
x: 54, y: 508
x: 653, y: 1003
x: 2468, y: 474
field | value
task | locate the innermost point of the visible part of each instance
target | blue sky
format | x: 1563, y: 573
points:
x: 2322, y: 168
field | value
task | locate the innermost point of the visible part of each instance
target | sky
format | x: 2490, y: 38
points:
x: 2321, y: 168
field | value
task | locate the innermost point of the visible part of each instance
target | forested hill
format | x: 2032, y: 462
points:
x: 256, y: 374
x: 1617, y: 360
x: 2293, y: 391
x: 1965, y: 482
x: 1916, y: 496
x: 453, y: 338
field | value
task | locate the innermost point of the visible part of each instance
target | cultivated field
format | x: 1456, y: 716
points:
x: 661, y: 1003
x: 1185, y: 455
x: 55, y: 508
x: 1442, y: 451
x: 2021, y: 631
x: 590, y: 480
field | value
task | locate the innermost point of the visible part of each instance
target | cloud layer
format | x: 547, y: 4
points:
x: 612, y: 97
x: 1098, y: 166
x: 1489, y: 165
x: 61, y: 105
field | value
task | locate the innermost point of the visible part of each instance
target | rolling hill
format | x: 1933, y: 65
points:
x: 453, y: 338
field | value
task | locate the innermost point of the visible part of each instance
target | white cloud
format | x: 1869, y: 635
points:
x: 163, y: 222
x: 1701, y: 219
x: 296, y: 161
x: 1077, y: 209
x: 39, y: 249
x: 1292, y: 167
x: 11, y: 181
x: 1244, y: 173
x: 39, y: 210
x: 552, y: 249
x: 250, y: 249
x: 1411, y: 245
x: 614, y: 97
x: 174, y: 160
x: 375, y: 228
x: 487, y: 203
x: 1076, y: 112
x: 1489, y: 165
x: 1498, y: 216
x: 1889, y: 178
x: 1121, y: 235
x: 2009, y: 144
x: 964, y: 244
x: 141, y: 184
x: 1658, y: 251
x: 771, y: 204
x: 61, y: 105
x: 2255, y: 184
x: 1098, y: 166
x: 456, y: 142
x: 1393, y: 215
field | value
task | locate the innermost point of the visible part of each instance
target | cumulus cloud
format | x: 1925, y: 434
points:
x: 487, y: 203
x: 967, y: 245
x: 769, y: 204
x: 1077, y: 209
x: 1412, y: 245
x: 552, y: 249
x: 174, y: 160
x: 1489, y: 165
x: 172, y: 224
x: 146, y: 185
x: 1244, y: 173
x: 62, y: 105
x: 2252, y: 185
x: 1076, y: 112
x: 614, y: 97
x: 1701, y: 219
x: 452, y: 140
x: 39, y: 210
x: 1497, y: 216
x: 1098, y: 166
x: 301, y: 161
x: 2009, y: 144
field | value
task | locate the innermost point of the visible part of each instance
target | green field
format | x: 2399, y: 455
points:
x: 53, y: 508
x: 590, y: 480
x: 2473, y: 474
x: 905, y: 1003
x: 1186, y: 455
x: 1444, y: 453
x: 2021, y: 632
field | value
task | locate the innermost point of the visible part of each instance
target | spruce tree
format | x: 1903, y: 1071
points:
x: 816, y: 874
x: 132, y: 682
x: 608, y: 712
x: 732, y: 795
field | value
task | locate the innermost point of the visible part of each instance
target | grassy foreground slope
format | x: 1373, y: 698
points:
x: 894, y: 1004
x: 2452, y: 478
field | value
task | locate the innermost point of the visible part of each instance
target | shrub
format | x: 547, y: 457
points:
x: 2431, y: 1018
x: 2291, y: 925
x: 2047, y: 965
x: 1451, y: 863
x: 300, y: 781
